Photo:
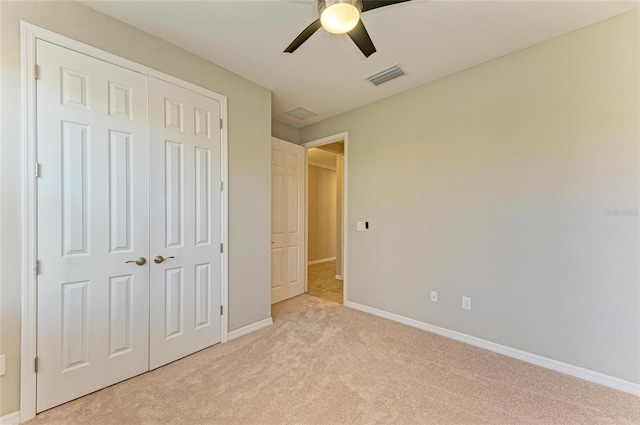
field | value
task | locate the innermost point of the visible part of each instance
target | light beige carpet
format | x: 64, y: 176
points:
x: 322, y: 282
x: 323, y: 363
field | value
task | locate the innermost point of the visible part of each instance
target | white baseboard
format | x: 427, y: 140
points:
x: 322, y: 260
x: 10, y: 419
x: 338, y: 277
x: 250, y: 328
x: 568, y: 369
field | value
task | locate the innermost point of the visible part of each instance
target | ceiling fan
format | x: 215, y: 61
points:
x: 343, y: 16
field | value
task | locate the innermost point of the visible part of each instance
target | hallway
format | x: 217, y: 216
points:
x: 322, y: 282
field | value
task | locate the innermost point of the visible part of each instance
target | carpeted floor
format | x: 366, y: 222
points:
x: 323, y: 363
x: 322, y: 282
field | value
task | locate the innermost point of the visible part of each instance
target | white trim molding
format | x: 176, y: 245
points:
x: 10, y: 419
x: 322, y: 260
x: 28, y: 35
x: 245, y: 330
x: 567, y: 369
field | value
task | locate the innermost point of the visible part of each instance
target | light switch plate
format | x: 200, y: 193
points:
x: 361, y: 226
x: 466, y: 303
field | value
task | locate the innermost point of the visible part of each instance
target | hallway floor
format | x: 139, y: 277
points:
x: 322, y: 282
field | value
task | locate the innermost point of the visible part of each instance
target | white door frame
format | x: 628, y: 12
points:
x: 28, y: 35
x: 345, y: 210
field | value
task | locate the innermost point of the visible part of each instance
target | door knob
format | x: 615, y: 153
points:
x: 159, y: 259
x: 141, y: 261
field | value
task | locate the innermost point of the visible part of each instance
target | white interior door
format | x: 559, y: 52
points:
x: 287, y: 220
x: 185, y: 221
x: 93, y: 317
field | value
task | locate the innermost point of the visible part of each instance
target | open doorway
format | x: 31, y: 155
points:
x: 325, y: 212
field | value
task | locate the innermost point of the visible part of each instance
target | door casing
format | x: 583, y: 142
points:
x: 28, y: 35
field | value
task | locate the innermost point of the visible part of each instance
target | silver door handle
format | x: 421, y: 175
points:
x: 159, y: 259
x: 141, y: 261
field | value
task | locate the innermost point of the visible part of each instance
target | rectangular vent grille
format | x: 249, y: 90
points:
x: 301, y: 113
x: 386, y: 75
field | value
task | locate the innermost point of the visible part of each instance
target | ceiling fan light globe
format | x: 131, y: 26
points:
x: 340, y: 18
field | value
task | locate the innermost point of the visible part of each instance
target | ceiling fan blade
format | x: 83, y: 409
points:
x: 360, y: 36
x: 374, y: 4
x: 304, y: 36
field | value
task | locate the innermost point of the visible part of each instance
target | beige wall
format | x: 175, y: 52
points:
x: 501, y: 183
x: 249, y: 167
x: 322, y: 212
x: 285, y: 132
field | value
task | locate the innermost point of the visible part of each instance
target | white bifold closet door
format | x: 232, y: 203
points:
x: 185, y: 222
x: 129, y: 173
x: 93, y: 208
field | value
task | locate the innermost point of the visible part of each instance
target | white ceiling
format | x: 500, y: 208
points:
x: 428, y: 39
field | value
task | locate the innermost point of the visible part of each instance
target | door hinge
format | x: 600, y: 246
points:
x: 221, y: 248
x: 37, y: 169
x: 221, y: 186
x: 221, y: 125
x: 221, y: 310
x: 36, y: 71
x: 35, y: 365
x: 36, y: 267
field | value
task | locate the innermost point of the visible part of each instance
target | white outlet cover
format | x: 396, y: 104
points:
x: 434, y: 296
x: 466, y: 303
x: 361, y: 226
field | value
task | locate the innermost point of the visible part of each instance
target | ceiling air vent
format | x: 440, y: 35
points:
x: 386, y: 75
x: 301, y: 113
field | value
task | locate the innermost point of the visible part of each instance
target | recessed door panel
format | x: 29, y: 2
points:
x: 120, y: 101
x: 174, y: 299
x: 173, y: 194
x: 294, y: 203
x: 278, y: 216
x: 75, y: 183
x: 202, y: 298
x: 173, y: 117
x: 294, y: 263
x: 120, y: 308
x: 74, y: 89
x: 277, y: 264
x: 120, y: 190
x: 75, y: 325
x: 202, y: 195
x: 202, y: 123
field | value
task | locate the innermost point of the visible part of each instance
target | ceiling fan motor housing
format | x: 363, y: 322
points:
x: 323, y: 4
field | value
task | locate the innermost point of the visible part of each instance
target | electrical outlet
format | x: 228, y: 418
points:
x: 2, y: 365
x: 466, y: 303
x: 434, y: 296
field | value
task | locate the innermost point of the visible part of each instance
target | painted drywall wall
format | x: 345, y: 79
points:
x: 514, y: 183
x: 249, y: 156
x: 321, y: 212
x: 285, y: 132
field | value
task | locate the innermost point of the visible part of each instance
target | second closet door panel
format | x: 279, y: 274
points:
x: 185, y: 229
